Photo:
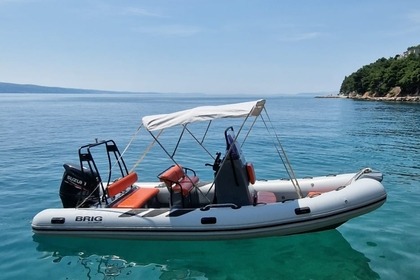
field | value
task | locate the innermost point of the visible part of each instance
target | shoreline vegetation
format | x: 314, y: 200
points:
x: 393, y: 79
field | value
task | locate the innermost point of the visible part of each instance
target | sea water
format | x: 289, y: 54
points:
x: 40, y: 132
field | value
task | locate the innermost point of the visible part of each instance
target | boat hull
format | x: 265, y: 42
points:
x: 326, y: 211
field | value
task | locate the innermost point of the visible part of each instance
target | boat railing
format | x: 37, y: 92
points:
x: 221, y: 205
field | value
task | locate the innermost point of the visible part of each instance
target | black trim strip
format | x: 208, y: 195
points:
x: 132, y: 212
x: 180, y: 212
x: 155, y: 213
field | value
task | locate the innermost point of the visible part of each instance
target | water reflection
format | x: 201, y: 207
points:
x: 325, y: 255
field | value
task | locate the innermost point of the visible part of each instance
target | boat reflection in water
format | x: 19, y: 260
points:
x: 317, y: 256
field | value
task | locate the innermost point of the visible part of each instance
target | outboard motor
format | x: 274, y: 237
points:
x: 78, y: 187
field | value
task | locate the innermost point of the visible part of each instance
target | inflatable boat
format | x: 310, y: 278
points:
x: 112, y: 202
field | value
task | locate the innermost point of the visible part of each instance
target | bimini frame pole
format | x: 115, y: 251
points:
x: 282, y: 154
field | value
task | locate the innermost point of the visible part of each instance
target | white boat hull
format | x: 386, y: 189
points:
x: 326, y: 211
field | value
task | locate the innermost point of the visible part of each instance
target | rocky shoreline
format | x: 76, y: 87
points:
x: 393, y: 95
x: 408, y: 98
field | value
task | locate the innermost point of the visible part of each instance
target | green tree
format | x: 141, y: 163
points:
x: 383, y: 75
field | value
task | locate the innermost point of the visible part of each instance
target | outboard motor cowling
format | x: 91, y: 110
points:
x: 79, y: 188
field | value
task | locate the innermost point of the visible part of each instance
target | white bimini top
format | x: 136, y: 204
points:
x: 204, y: 113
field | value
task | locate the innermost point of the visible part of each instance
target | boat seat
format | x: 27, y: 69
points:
x: 122, y: 184
x: 135, y: 199
x: 263, y: 197
x: 177, y: 180
x: 179, y: 183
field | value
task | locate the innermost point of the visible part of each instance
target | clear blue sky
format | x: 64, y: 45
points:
x: 206, y: 46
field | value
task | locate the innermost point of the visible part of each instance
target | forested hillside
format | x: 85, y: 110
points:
x: 399, y: 75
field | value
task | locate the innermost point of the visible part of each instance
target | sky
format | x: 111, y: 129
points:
x: 200, y: 46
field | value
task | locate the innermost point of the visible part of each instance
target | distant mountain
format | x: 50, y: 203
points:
x: 27, y: 88
x: 317, y: 94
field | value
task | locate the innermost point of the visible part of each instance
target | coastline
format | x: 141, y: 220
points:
x: 408, y: 98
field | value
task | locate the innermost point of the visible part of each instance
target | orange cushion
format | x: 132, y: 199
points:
x: 122, y: 184
x: 251, y: 172
x: 172, y: 175
x: 138, y: 198
x: 313, y: 194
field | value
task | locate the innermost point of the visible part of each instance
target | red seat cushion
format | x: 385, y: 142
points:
x: 185, y: 185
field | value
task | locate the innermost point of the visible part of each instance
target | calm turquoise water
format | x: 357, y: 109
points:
x: 40, y: 132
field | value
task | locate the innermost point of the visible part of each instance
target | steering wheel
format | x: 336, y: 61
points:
x: 217, y: 162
